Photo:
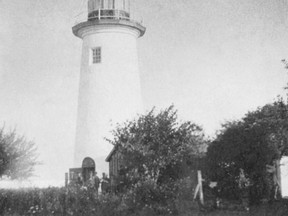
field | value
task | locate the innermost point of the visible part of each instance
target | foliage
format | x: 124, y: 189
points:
x: 167, y: 199
x: 18, y: 156
x: 249, y: 144
x: 83, y: 202
x: 58, y: 201
x: 157, y: 151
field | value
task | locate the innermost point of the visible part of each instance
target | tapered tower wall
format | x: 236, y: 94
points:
x: 109, y: 90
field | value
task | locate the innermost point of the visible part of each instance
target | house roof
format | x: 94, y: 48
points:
x: 109, y: 157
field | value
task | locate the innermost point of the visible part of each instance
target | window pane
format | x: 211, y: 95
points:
x: 96, y: 55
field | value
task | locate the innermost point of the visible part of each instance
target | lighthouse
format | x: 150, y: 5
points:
x: 109, y: 86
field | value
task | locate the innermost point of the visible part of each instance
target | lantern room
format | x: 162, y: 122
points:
x: 108, y: 9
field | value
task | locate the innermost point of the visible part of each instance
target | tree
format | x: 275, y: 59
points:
x: 18, y: 156
x: 157, y: 151
x: 249, y: 144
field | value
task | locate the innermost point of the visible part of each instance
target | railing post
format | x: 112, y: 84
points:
x: 99, y: 16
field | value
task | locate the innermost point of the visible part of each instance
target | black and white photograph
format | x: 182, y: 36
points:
x: 144, y: 107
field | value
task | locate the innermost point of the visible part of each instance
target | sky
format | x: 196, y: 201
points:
x: 215, y: 60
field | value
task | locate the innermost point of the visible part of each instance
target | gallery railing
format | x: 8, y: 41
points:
x: 107, y: 14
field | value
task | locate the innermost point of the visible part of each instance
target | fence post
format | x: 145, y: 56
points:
x: 199, y: 188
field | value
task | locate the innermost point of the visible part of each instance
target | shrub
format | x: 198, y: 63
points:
x: 57, y: 201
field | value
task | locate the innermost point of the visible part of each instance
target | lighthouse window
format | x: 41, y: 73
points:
x: 96, y: 55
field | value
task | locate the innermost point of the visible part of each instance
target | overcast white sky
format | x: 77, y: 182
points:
x: 213, y: 59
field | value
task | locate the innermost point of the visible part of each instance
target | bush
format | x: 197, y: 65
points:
x: 58, y: 201
x: 85, y: 202
x: 146, y: 198
x: 250, y: 144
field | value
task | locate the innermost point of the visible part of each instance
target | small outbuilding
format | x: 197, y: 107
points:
x: 115, y: 163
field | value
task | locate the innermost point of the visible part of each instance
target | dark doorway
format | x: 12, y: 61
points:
x: 88, y: 166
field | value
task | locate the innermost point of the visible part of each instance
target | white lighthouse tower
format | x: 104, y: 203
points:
x: 109, y: 88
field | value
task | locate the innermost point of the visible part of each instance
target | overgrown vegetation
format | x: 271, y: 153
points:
x: 157, y: 159
x: 160, y: 157
x: 58, y: 201
x: 85, y: 202
x: 18, y: 156
x: 249, y: 144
